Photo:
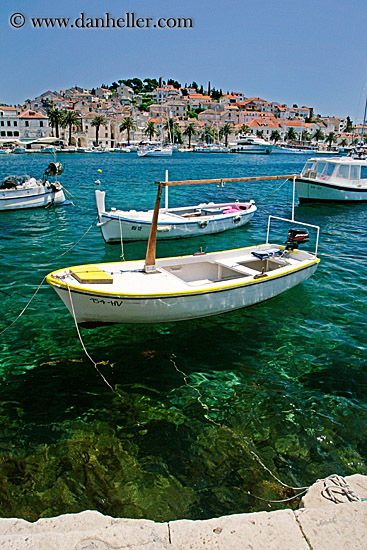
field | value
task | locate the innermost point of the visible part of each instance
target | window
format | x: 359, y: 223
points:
x: 8, y: 123
x: 344, y: 171
x: 2, y: 134
x: 16, y: 133
x: 15, y: 123
x: 27, y: 123
x: 41, y: 123
x: 363, y: 172
x: 9, y: 134
x: 354, y: 172
x: 2, y: 123
x: 320, y: 168
x: 329, y: 169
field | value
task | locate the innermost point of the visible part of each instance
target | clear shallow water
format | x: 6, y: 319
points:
x: 285, y: 379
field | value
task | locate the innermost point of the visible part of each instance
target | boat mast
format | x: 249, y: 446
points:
x: 149, y: 266
x: 364, y: 122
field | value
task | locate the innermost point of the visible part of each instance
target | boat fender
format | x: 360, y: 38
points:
x: 236, y: 219
x: 203, y: 224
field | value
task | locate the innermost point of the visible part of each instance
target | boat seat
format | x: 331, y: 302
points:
x: 262, y: 254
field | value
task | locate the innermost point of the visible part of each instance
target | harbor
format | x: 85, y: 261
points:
x: 191, y: 420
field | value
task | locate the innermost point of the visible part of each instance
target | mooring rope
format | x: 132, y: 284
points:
x: 23, y: 310
x: 236, y: 436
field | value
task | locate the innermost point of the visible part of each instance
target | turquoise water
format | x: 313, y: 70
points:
x: 201, y: 409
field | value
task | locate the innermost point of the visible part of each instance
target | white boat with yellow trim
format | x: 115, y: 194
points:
x: 185, y: 287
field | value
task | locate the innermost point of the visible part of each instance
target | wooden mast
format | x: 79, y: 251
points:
x: 151, y: 248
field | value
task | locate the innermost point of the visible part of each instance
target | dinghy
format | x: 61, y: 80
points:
x: 18, y: 192
x: 173, y: 223
x: 186, y: 287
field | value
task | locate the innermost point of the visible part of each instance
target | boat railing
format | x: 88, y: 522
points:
x: 292, y: 221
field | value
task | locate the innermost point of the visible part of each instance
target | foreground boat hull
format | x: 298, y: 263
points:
x: 316, y: 191
x: 193, y: 299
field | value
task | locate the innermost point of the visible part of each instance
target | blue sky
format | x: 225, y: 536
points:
x: 307, y: 52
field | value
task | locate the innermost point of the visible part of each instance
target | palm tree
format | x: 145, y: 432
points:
x: 98, y: 121
x: 275, y: 136
x: 330, y: 139
x: 208, y: 134
x: 318, y: 135
x: 150, y: 130
x: 55, y: 117
x: 128, y: 125
x: 170, y: 128
x: 244, y: 129
x: 225, y: 131
x: 306, y: 136
x: 291, y: 135
x: 260, y: 133
x: 343, y: 143
x: 70, y: 119
x: 190, y: 131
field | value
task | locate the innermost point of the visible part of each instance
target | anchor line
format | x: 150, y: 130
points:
x: 254, y: 455
x: 23, y: 310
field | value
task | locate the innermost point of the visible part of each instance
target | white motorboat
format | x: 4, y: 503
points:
x: 173, y: 223
x: 19, y: 150
x: 210, y: 149
x: 19, y: 192
x: 333, y: 179
x: 285, y: 148
x: 185, y: 287
x: 155, y: 151
x: 252, y: 144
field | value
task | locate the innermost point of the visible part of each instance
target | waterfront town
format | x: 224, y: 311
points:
x: 134, y: 111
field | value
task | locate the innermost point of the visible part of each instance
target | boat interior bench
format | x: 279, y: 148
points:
x: 206, y: 272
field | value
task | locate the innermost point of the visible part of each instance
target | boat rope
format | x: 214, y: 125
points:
x: 43, y: 280
x: 94, y: 363
x: 122, y: 244
x: 272, y: 193
x: 78, y: 241
x: 338, y: 490
x: 236, y: 436
x: 23, y: 310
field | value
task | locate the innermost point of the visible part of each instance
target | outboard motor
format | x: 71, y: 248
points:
x: 54, y: 169
x: 296, y: 237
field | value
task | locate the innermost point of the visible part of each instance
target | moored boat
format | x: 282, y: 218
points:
x: 19, y: 192
x: 339, y: 179
x: 185, y: 287
x: 252, y: 145
x: 173, y: 223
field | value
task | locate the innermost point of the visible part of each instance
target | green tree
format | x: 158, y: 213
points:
x: 306, y: 136
x: 225, y: 131
x: 208, y: 134
x: 244, y: 129
x: 71, y: 120
x: 349, y: 125
x: 150, y: 130
x: 127, y: 125
x: 192, y: 114
x: 260, y: 133
x: 190, y: 131
x: 343, y: 143
x: 318, y: 135
x: 55, y: 116
x: 291, y: 135
x: 330, y: 139
x: 275, y: 136
x: 97, y: 122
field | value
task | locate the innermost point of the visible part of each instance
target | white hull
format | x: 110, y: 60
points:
x: 173, y: 223
x: 17, y: 199
x: 338, y: 179
x: 292, y: 151
x: 158, y: 152
x: 311, y: 190
x: 181, y: 288
x: 253, y: 149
